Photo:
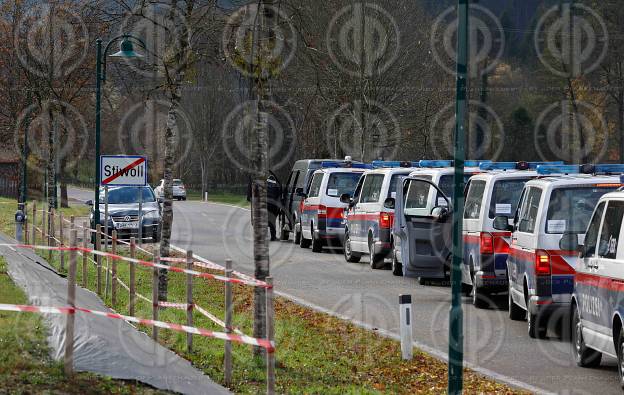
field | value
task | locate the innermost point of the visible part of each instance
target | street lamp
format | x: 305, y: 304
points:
x: 126, y: 52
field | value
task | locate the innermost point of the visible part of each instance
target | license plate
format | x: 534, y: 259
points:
x: 127, y: 225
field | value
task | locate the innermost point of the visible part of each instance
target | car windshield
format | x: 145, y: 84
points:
x: 340, y: 183
x: 128, y: 195
x: 506, y: 196
x: 178, y: 183
x: 570, y: 209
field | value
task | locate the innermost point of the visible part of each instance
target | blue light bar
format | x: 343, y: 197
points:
x: 515, y: 165
x: 475, y: 163
x: 389, y: 164
x: 609, y: 168
x: 346, y: 165
x: 435, y: 163
x: 558, y: 169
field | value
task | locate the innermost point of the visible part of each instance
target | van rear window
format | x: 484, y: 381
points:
x: 506, y: 196
x: 570, y: 209
x: 340, y: 183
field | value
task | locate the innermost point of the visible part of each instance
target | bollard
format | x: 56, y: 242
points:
x: 26, y: 221
x: 34, y: 223
x: 61, y: 241
x: 85, y: 262
x: 98, y: 260
x: 132, y: 276
x: 205, y: 196
x: 51, y: 233
x: 227, y: 357
x: 270, y: 356
x: 114, y: 270
x: 155, y: 295
x: 405, y: 307
x: 20, y: 218
x: 189, y: 300
x: 71, y: 302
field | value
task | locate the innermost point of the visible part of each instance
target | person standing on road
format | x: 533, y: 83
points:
x: 274, y: 194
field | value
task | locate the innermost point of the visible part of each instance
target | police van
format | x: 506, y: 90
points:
x: 541, y: 273
x: 368, y: 222
x: 597, y: 307
x: 294, y: 192
x: 423, y: 224
x: 494, y: 192
x: 321, y: 215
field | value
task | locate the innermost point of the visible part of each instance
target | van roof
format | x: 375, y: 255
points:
x: 499, y: 174
x: 575, y: 179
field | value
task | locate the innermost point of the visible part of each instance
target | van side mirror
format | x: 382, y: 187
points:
x: 569, y: 242
x: 501, y: 222
x: 345, y: 198
x: 440, y: 213
x: 89, y: 202
x: 299, y: 192
x: 389, y: 203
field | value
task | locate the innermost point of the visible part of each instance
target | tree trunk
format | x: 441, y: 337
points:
x: 51, y: 168
x: 620, y: 123
x: 63, y: 182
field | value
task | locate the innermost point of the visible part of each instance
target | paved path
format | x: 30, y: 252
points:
x: 492, y: 342
x: 104, y: 346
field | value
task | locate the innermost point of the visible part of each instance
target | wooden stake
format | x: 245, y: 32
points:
x: 71, y: 302
x: 34, y: 223
x: 155, y: 295
x: 85, y: 261
x: 50, y: 232
x: 114, y: 270
x: 26, y: 221
x: 189, y: 300
x: 61, y: 241
x: 270, y: 356
x: 227, y: 357
x: 98, y: 260
x: 132, y: 277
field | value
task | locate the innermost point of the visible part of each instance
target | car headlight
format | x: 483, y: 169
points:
x: 152, y: 214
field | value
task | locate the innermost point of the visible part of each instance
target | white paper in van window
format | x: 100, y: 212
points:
x: 393, y: 195
x: 441, y: 202
x: 332, y: 192
x: 503, y: 208
x: 556, y: 226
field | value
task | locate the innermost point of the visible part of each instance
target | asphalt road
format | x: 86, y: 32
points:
x: 491, y: 341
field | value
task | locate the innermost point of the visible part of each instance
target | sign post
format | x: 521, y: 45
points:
x: 124, y: 171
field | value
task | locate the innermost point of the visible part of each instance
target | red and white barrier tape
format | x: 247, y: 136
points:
x: 215, y: 319
x: 243, y: 339
x: 254, y: 283
x: 179, y: 306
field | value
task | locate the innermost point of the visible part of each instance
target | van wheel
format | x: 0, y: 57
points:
x: 397, y: 267
x: 297, y: 236
x: 515, y: 312
x: 584, y: 356
x: 376, y: 260
x: 303, y: 242
x: 284, y: 234
x: 479, y: 298
x: 349, y: 255
x: 536, y: 328
x: 317, y: 243
x: 466, y: 289
x: 620, y: 352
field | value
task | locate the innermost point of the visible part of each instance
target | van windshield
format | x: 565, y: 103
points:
x: 506, y: 196
x: 570, y: 209
x: 340, y: 183
x: 393, y: 182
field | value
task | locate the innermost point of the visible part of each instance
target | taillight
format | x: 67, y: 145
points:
x: 385, y: 220
x: 322, y: 212
x: 542, y: 263
x: 486, y: 243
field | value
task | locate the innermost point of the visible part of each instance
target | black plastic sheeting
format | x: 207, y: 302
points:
x: 108, y: 347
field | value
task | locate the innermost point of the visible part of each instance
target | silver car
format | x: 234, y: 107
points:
x: 179, y: 190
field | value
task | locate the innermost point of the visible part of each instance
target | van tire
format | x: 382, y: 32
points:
x: 583, y: 356
x: 350, y: 256
x: 397, y: 267
x: 303, y: 242
x: 466, y: 289
x: 376, y: 260
x: 536, y: 328
x: 515, y: 312
x: 284, y: 234
x: 317, y: 243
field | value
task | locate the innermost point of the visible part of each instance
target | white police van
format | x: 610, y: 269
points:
x: 321, y: 218
x: 368, y: 222
x: 423, y: 224
x: 597, y: 307
x: 494, y: 192
x: 541, y: 273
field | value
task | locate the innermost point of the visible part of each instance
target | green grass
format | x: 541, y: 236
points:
x: 221, y: 197
x: 25, y: 364
x: 316, y: 353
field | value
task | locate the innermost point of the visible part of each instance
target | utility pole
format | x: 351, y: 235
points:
x: 456, y: 330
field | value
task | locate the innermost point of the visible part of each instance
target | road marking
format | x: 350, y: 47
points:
x: 391, y: 335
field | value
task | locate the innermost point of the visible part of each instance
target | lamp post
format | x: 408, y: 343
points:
x: 126, y: 52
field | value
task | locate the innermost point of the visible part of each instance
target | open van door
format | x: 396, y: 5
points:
x: 425, y: 229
